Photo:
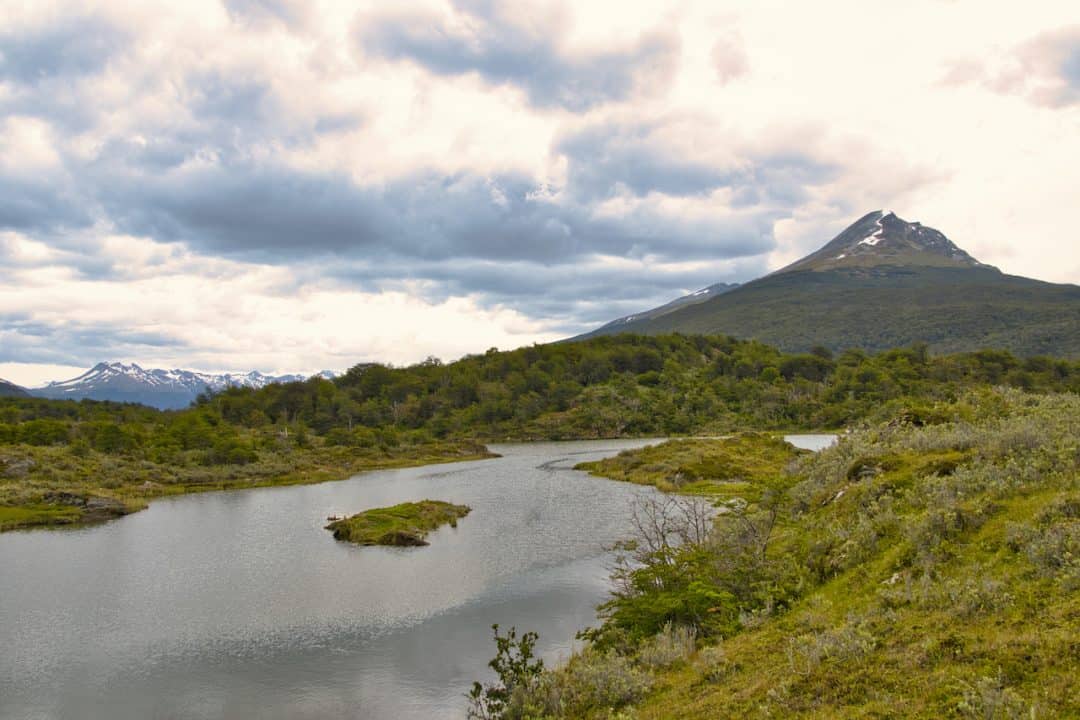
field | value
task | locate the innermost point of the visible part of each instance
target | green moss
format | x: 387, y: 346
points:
x: 33, y: 514
x: 406, y: 524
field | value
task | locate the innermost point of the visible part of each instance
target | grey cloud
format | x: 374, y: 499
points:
x: 273, y: 213
x: 1070, y: 68
x: 41, y: 205
x: 572, y: 294
x: 291, y: 13
x: 504, y: 52
x: 79, y: 45
x: 606, y: 158
x: 24, y: 339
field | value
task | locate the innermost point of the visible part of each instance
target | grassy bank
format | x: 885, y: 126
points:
x: 732, y: 466
x: 926, y: 567
x: 64, y: 485
x: 403, y: 525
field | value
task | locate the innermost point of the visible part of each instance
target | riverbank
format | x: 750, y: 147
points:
x: 49, y: 486
x: 732, y: 466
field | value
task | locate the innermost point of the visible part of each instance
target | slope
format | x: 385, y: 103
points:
x: 8, y: 389
x: 885, y: 283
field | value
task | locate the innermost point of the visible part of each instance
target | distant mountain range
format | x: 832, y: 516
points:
x: 8, y: 389
x: 882, y: 283
x: 165, y: 389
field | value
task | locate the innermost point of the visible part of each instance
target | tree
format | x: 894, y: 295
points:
x: 518, y: 670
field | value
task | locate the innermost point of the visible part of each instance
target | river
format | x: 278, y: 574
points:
x: 240, y: 605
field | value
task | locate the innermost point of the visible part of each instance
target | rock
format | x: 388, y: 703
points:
x: 402, y: 539
x: 17, y: 467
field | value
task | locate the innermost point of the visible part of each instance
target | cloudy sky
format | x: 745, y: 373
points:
x: 292, y: 185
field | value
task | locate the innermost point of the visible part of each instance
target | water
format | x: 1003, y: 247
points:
x: 811, y: 442
x: 240, y: 604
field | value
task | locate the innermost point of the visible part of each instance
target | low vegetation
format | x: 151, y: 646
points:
x: 926, y: 566
x: 73, y: 483
x: 405, y: 525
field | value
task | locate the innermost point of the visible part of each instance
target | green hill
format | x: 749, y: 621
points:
x: 886, y: 283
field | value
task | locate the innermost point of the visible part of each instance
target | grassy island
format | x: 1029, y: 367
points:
x: 404, y: 525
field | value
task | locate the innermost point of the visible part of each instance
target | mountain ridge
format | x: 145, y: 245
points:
x: 881, y: 283
x: 694, y: 298
x: 10, y: 389
x: 163, y: 389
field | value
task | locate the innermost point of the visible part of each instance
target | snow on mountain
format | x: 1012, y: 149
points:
x: 882, y: 238
x: 166, y: 389
x: 693, y: 298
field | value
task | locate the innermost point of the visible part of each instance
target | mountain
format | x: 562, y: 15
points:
x: 165, y: 389
x: 692, y: 299
x: 8, y: 389
x: 883, y: 283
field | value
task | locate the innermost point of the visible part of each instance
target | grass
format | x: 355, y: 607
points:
x: 59, y: 486
x: 722, y: 467
x: 406, y: 524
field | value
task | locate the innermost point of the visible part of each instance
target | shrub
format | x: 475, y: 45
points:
x: 714, y: 664
x: 989, y: 699
x: 673, y: 644
x: 593, y: 680
x: 519, y: 672
x: 847, y: 643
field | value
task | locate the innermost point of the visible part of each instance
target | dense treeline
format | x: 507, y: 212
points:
x: 608, y: 386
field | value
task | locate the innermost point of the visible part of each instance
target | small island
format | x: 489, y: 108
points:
x: 404, y: 525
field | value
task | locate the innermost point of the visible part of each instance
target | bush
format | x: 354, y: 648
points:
x: 714, y: 664
x: 591, y: 681
x: 519, y: 672
x: 673, y: 644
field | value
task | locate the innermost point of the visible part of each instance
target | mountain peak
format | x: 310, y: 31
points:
x: 883, y: 238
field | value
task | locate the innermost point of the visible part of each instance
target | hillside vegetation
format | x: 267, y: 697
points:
x: 61, y: 461
x: 878, y: 308
x: 927, y: 566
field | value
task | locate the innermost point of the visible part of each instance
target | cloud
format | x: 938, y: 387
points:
x: 290, y: 13
x: 487, y: 39
x: 729, y: 58
x: 71, y: 45
x: 273, y: 213
x: 1045, y: 70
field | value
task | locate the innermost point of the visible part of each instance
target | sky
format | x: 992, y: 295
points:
x: 297, y: 185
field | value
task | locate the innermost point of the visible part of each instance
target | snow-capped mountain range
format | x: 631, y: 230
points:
x: 165, y: 389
